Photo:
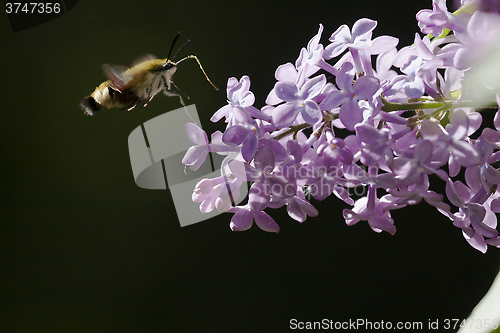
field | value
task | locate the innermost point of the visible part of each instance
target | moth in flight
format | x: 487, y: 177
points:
x: 128, y: 88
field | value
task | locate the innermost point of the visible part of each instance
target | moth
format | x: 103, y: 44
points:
x: 128, y: 88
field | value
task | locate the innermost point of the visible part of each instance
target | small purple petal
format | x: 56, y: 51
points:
x: 351, y: 218
x: 241, y: 116
x: 343, y: 195
x: 491, y: 174
x: 286, y: 72
x: 459, y: 125
x: 341, y: 34
x: 266, y: 222
x: 350, y: 114
x: 363, y: 26
x: 243, y: 171
x: 249, y: 147
x: 465, y: 154
x: 453, y: 195
x: 368, y: 134
x: 286, y: 91
x: 345, y: 77
x: 306, y: 207
x: 285, y: 114
x: 236, y: 134
x: 381, y: 223
x: 242, y: 220
x: 496, y: 120
x: 322, y: 189
x: 294, y: 150
x: 295, y: 212
x: 195, y: 156
x: 280, y: 152
x: 247, y: 99
x: 494, y: 241
x: 423, y: 151
x: 365, y: 87
x: 311, y: 112
x: 491, y: 135
x: 334, y: 49
x: 383, y: 44
x: 431, y: 130
x: 333, y: 99
x: 196, y: 134
x: 264, y: 159
x: 475, y: 240
x: 258, y: 196
x: 222, y: 112
x: 415, y: 89
x: 272, y: 99
x: 464, y: 59
x: 477, y: 213
x: 312, y: 87
x: 495, y: 205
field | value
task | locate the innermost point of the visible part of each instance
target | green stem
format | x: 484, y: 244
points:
x: 293, y: 129
x: 388, y: 107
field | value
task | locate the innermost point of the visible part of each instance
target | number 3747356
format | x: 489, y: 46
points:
x: 32, y: 7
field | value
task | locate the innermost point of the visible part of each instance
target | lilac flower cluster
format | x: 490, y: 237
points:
x: 408, y: 114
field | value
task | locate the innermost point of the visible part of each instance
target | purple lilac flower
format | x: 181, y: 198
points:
x: 484, y: 175
x: 216, y: 193
x: 325, y: 170
x: 371, y: 209
x: 196, y: 155
x: 359, y: 39
x: 240, y: 107
x: 450, y: 145
x: 246, y: 135
x: 419, y: 65
x: 434, y: 21
x: 245, y: 215
x: 298, y: 101
x: 385, y: 49
x: 376, y: 144
x: 383, y: 129
x: 349, y: 94
x: 309, y: 57
x: 286, y: 73
x: 471, y: 215
x: 418, y: 164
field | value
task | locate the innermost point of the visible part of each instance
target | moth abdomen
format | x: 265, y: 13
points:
x: 90, y: 106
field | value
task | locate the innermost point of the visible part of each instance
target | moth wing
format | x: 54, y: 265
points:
x: 142, y: 59
x: 117, y: 76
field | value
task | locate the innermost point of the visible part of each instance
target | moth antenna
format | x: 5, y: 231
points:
x: 173, y: 43
x: 201, y: 67
x: 180, y: 49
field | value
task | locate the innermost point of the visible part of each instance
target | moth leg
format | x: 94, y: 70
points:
x: 132, y: 105
x: 171, y: 93
x: 148, y: 98
x: 149, y: 91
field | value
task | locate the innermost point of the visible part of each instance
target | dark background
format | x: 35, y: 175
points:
x: 83, y: 249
